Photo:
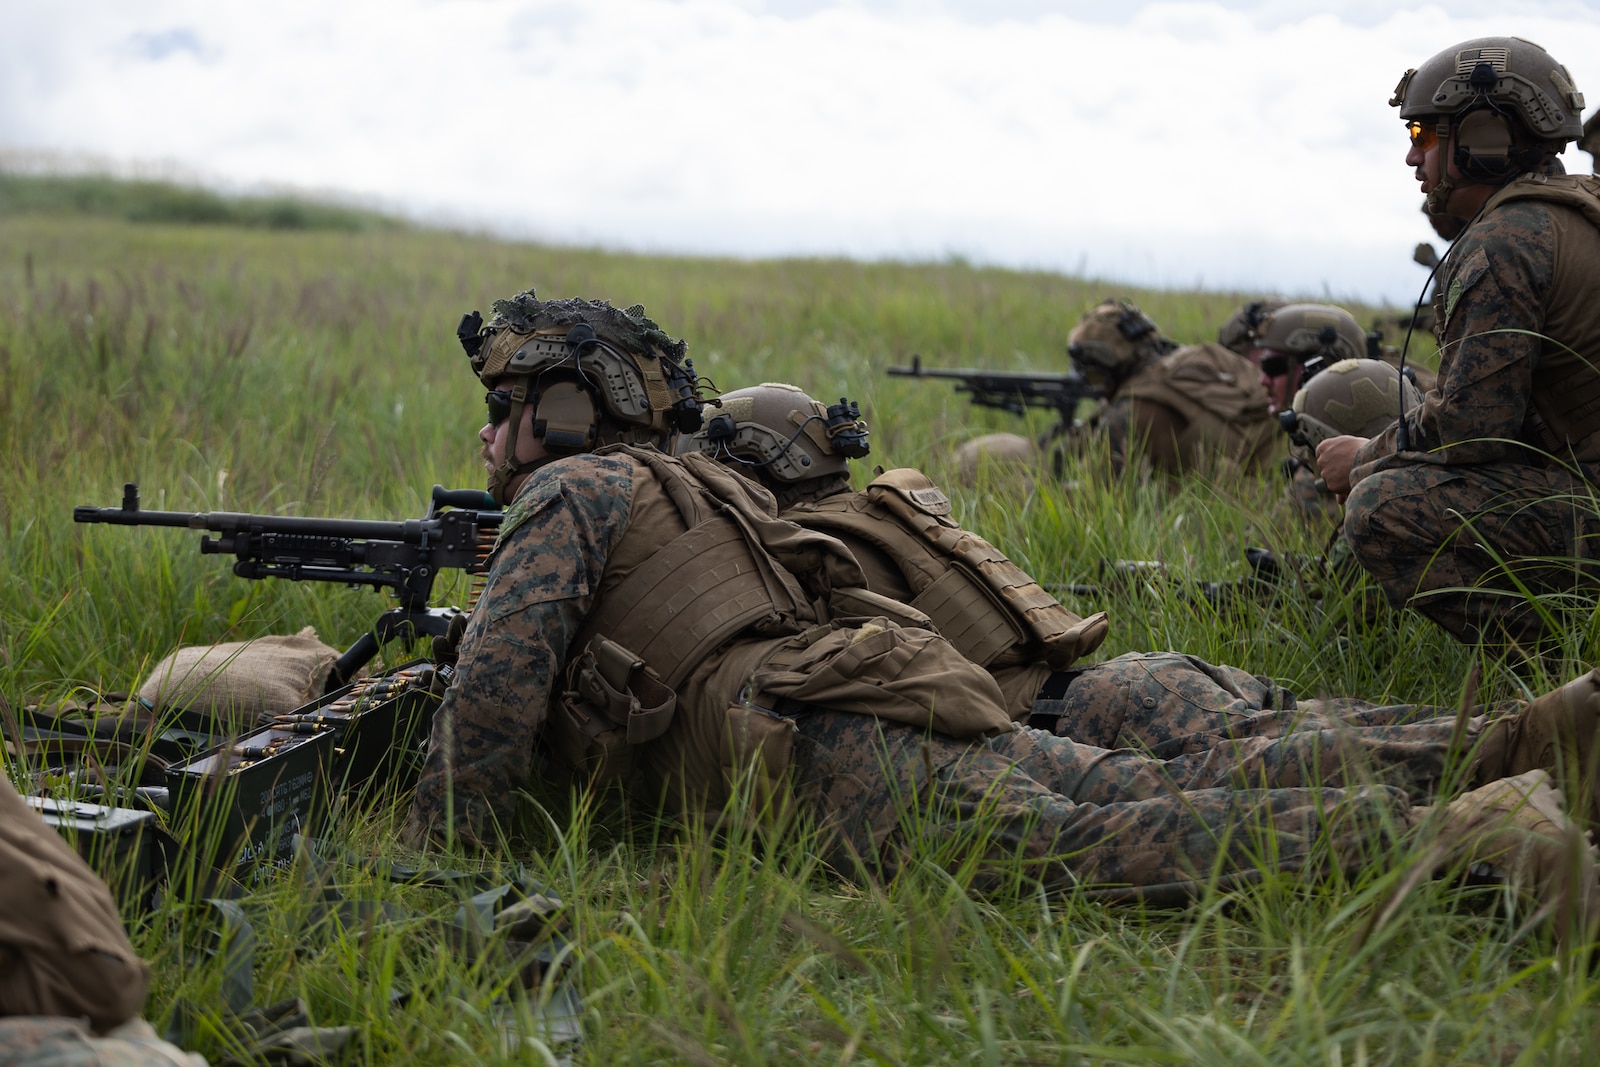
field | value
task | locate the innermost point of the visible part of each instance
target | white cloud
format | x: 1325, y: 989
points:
x: 1245, y: 145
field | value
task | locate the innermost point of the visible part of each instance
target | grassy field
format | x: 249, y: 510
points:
x: 315, y: 371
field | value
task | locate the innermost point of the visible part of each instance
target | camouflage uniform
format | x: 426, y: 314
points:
x: 1169, y: 704
x: 1196, y: 409
x: 1116, y: 820
x: 1496, y: 490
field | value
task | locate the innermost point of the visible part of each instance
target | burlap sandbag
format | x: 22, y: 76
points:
x: 242, y: 683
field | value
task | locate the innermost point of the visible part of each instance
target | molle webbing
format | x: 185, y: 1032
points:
x: 693, y: 594
x: 686, y: 600
x: 969, y: 616
x: 983, y: 603
x: 960, y: 605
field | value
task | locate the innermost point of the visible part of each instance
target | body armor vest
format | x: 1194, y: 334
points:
x: 731, y: 571
x: 707, y: 591
x: 1219, y: 396
x: 1564, y: 416
x: 984, y: 604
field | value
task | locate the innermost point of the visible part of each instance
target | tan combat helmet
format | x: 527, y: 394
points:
x: 1359, y: 397
x: 1314, y: 335
x: 1498, y: 105
x: 1239, y: 331
x: 780, y: 436
x: 593, y: 374
x: 1114, y: 341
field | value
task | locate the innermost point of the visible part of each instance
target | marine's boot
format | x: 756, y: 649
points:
x: 1556, y: 732
x: 1516, y: 826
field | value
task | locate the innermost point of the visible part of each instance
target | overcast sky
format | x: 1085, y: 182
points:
x: 1241, y: 145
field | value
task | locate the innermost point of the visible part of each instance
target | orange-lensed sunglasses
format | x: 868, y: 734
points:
x: 1424, y: 135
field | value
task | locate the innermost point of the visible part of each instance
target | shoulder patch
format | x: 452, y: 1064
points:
x: 534, y: 498
x: 1474, y: 267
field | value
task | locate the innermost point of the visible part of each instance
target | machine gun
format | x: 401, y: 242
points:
x: 404, y: 557
x: 1012, y: 391
x: 1267, y: 576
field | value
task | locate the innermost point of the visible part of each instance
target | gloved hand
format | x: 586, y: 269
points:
x: 447, y: 648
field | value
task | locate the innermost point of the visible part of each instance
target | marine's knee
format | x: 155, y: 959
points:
x: 1390, y: 515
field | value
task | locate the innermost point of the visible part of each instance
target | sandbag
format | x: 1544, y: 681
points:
x: 243, y: 684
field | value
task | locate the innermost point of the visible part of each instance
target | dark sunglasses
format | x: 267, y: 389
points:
x: 1274, y: 364
x: 499, y: 401
x: 1424, y: 135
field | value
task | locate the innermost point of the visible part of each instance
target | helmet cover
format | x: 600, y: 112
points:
x: 1358, y: 397
x: 1114, y: 337
x: 781, y: 433
x: 1306, y: 331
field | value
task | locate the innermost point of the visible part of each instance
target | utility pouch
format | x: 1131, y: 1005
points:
x: 630, y: 694
x: 760, y: 744
x: 615, y: 702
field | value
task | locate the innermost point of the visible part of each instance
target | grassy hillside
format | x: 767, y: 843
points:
x: 316, y: 372
x: 169, y: 202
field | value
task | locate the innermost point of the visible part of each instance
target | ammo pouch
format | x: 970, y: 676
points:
x: 615, y: 702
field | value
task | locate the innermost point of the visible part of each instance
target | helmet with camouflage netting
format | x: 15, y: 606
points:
x: 785, y: 439
x: 1239, y: 331
x: 593, y: 375
x: 1313, y: 334
x: 1359, y: 397
x: 1115, y: 340
x: 1503, y: 103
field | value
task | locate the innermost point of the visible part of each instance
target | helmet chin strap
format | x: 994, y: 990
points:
x: 1446, y: 186
x: 510, y: 469
x: 1441, y: 193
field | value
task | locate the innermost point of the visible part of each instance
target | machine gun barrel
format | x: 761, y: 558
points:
x: 1013, y: 391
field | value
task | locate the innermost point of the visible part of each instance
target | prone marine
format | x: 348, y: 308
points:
x: 649, y: 621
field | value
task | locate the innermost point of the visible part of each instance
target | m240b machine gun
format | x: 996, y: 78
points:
x: 1013, y: 391
x: 404, y: 557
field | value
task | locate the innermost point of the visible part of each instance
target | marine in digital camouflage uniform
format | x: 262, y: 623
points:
x: 1491, y: 489
x: 648, y: 621
x: 1201, y: 724
x: 1179, y: 408
x: 1185, y: 408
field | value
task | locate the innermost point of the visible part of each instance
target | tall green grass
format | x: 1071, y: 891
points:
x: 316, y: 372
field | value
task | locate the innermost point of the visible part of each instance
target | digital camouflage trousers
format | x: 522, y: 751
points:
x: 1462, y: 543
x: 1219, y: 775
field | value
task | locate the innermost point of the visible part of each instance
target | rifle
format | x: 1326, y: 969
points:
x: 404, y: 557
x: 1267, y: 573
x: 1012, y: 391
